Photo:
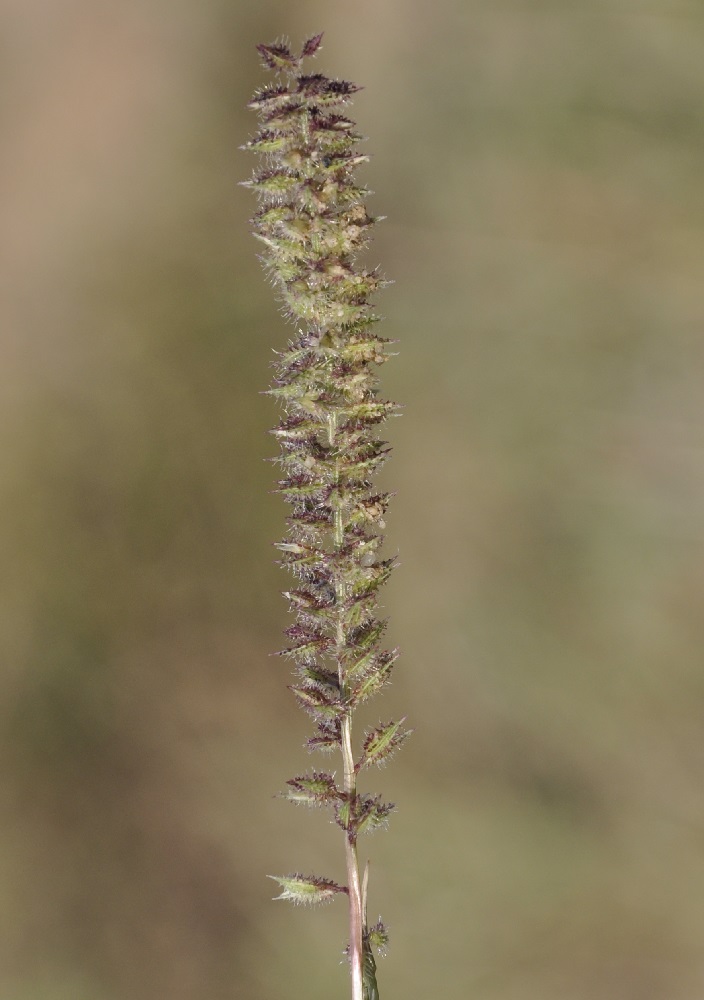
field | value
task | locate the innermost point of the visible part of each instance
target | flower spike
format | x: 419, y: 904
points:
x: 312, y: 223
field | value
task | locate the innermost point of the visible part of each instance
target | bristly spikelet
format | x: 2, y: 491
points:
x: 312, y: 223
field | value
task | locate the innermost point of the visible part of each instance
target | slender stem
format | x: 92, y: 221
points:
x: 353, y: 882
x: 350, y: 775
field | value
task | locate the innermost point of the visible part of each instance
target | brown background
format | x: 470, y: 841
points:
x: 541, y: 168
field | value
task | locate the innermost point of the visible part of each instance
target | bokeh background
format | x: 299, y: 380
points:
x: 541, y: 165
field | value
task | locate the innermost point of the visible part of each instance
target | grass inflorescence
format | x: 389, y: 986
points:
x: 312, y: 223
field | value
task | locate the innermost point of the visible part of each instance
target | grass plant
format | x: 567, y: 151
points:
x: 312, y: 222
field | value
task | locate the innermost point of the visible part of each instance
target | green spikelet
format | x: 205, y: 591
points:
x: 312, y: 223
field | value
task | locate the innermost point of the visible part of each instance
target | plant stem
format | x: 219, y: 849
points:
x: 350, y: 774
x: 353, y: 883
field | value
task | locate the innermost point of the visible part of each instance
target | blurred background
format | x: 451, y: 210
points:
x: 540, y: 164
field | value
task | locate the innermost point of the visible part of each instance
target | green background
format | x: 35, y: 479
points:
x: 541, y: 166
